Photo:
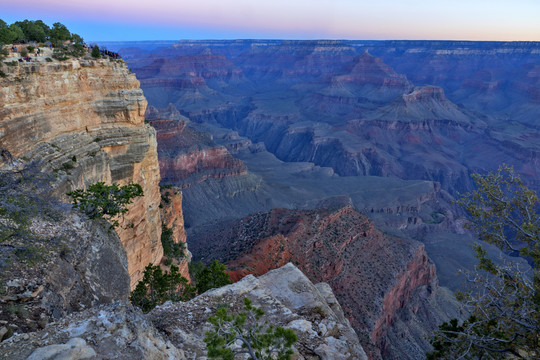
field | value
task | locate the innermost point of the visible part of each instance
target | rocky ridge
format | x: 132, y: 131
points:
x: 176, y: 330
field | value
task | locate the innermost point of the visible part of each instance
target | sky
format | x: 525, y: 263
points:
x: 127, y: 20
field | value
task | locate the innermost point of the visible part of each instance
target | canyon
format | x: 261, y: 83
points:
x: 393, y: 129
x: 334, y: 163
x: 66, y: 278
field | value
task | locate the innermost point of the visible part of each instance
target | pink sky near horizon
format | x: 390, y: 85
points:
x: 293, y: 19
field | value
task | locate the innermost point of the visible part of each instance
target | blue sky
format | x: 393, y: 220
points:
x: 280, y: 19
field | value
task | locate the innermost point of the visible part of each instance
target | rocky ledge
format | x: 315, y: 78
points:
x: 176, y: 330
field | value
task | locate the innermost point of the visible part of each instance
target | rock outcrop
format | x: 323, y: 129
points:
x: 83, y: 120
x: 378, y: 279
x: 187, y: 156
x: 176, y: 330
x: 172, y: 218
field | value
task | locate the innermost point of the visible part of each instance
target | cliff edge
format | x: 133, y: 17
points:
x: 82, y: 121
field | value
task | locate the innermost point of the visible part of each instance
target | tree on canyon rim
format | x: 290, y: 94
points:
x: 504, y: 305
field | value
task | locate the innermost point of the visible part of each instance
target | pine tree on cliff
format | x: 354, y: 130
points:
x: 95, y: 52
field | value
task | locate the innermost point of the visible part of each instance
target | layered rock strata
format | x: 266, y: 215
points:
x: 83, y: 121
x: 176, y: 330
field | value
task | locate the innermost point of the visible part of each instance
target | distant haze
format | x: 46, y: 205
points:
x: 111, y: 20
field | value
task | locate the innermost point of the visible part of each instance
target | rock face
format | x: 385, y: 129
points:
x: 172, y: 217
x: 186, y: 156
x: 83, y: 120
x: 379, y: 279
x: 176, y: 330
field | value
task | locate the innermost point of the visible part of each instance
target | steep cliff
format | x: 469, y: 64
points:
x: 83, y: 121
x: 53, y: 260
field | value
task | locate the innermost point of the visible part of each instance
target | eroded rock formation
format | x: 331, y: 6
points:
x: 172, y: 218
x: 83, y: 120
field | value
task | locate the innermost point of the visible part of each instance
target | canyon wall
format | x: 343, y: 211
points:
x: 83, y: 122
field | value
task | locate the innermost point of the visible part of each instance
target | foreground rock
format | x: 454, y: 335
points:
x: 176, y: 331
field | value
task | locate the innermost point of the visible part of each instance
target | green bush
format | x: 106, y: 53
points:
x: 105, y: 201
x: 157, y: 287
x: 96, y: 54
x: 244, y: 334
x: 208, y: 277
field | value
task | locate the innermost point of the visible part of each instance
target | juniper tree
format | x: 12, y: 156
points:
x: 504, y: 305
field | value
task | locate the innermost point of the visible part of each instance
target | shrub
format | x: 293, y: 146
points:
x: 504, y: 320
x: 244, y: 334
x: 208, y: 277
x: 170, y: 248
x: 105, y: 201
x: 24, y: 52
x: 157, y: 287
x: 30, y: 49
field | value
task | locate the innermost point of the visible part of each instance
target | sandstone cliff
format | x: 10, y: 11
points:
x: 176, y: 330
x: 83, y: 121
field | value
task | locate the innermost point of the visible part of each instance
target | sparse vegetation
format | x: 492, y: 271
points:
x: 504, y: 306
x: 105, y: 201
x: 170, y: 248
x: 245, y: 334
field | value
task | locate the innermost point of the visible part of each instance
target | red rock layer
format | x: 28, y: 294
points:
x: 187, y: 156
